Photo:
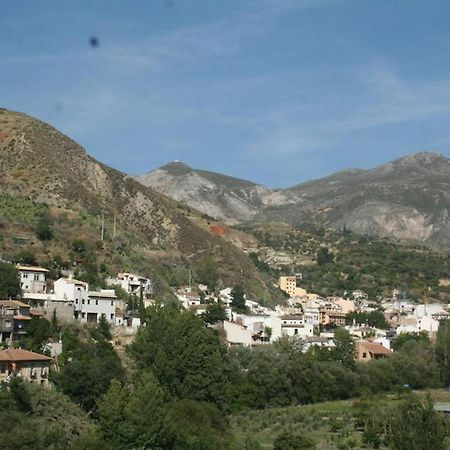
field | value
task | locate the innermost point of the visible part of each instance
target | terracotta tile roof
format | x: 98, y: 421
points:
x: 375, y: 348
x: 17, y: 354
x: 21, y: 317
x: 37, y: 312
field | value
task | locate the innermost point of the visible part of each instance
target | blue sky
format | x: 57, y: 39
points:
x: 275, y: 91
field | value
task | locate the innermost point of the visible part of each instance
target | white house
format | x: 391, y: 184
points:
x: 311, y: 315
x: 33, y: 279
x: 292, y: 319
x: 69, y: 289
x: 132, y: 283
x: 318, y: 341
x: 237, y: 334
x: 259, y: 324
x: 300, y: 330
x: 98, y: 303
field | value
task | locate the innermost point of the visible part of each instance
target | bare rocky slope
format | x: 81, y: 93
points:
x: 229, y: 199
x: 408, y: 198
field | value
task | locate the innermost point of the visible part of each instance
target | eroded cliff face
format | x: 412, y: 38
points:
x: 225, y: 198
x: 408, y: 198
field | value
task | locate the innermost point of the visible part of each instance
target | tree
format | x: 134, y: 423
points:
x: 324, y: 256
x: 44, y: 231
x: 134, y: 416
x: 9, y: 281
x: 39, y: 331
x: 25, y: 256
x: 215, y: 312
x: 187, y: 358
x: 268, y: 332
x: 79, y: 246
x: 192, y: 425
x: 291, y: 441
x: 238, y: 299
x: 402, y: 339
x: 104, y: 328
x: 373, y: 319
x: 88, y: 372
x: 344, y: 351
x: 207, y: 272
x: 141, y: 305
x: 443, y: 350
x: 416, y: 425
x: 267, y: 373
x: 35, y: 417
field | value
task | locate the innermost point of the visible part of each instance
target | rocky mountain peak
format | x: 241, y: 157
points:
x: 176, y: 168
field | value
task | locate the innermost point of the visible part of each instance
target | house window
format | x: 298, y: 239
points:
x: 364, y: 355
x: 112, y: 316
x: 112, y: 303
x: 83, y: 315
x: 25, y: 275
x: 76, y: 301
x: 96, y: 302
x: 296, y: 331
x: 82, y: 301
x: 36, y: 278
x: 89, y: 301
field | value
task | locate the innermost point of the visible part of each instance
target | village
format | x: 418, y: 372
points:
x: 306, y: 317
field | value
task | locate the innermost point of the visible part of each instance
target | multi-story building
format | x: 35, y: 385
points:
x: 14, y: 316
x: 33, y: 279
x: 133, y: 284
x: 288, y: 284
x: 32, y: 367
x: 69, y: 289
x: 97, y: 304
x: 311, y: 315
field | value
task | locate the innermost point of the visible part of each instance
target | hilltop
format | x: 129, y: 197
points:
x: 47, y: 177
x: 225, y: 198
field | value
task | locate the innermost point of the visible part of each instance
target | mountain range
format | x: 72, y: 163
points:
x: 406, y: 199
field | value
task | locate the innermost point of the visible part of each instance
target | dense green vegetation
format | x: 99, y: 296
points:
x: 188, y: 391
x: 9, y: 281
x: 345, y: 262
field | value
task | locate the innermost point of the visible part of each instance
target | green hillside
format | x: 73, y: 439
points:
x: 48, y: 180
x: 332, y: 262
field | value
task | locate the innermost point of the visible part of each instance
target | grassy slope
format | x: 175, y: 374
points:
x: 332, y: 424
